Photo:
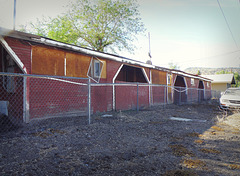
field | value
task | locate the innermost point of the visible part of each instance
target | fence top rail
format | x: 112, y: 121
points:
x: 127, y: 84
x: 39, y: 76
x: 120, y: 84
x: 134, y: 84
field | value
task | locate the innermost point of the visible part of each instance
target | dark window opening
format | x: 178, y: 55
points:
x: 8, y: 65
x: 180, y: 94
x: 200, y: 85
x: 200, y: 91
x: 131, y: 74
x: 180, y: 82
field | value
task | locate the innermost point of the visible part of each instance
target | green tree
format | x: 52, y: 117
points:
x: 237, y: 79
x: 100, y: 25
x: 223, y: 72
x: 171, y: 65
x: 199, y: 72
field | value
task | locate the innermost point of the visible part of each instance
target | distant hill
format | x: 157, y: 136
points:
x: 211, y: 71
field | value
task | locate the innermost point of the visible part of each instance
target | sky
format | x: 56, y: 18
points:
x: 188, y: 33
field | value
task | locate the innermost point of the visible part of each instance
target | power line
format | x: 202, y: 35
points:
x: 227, y: 23
x: 211, y: 56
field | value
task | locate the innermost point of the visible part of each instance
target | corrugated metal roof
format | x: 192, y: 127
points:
x: 221, y: 78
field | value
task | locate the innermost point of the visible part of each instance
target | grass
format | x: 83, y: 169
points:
x: 180, y: 150
x: 180, y: 173
x: 198, y: 141
x: 194, y: 134
x: 234, y: 166
x: 204, y: 150
x: 217, y: 128
x: 48, y: 132
x: 193, y: 163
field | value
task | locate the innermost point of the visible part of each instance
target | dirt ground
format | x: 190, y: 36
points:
x: 154, y: 141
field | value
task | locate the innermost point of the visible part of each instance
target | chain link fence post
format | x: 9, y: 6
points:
x: 89, y: 101
x: 164, y: 103
x: 137, y: 97
x: 180, y: 95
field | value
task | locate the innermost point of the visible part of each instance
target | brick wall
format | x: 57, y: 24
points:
x: 158, y: 94
x: 23, y: 50
x: 126, y: 97
x: 56, y: 97
x: 50, y: 98
x: 15, y: 98
x: 208, y: 93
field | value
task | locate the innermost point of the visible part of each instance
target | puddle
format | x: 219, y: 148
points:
x: 186, y: 120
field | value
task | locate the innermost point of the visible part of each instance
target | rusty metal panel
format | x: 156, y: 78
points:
x: 155, y: 77
x: 170, y: 83
x: 77, y: 65
x: 104, y: 69
x: 47, y: 61
x: 159, y: 77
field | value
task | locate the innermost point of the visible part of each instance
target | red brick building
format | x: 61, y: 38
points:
x: 30, y: 54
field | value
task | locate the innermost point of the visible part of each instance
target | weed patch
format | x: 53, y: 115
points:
x: 194, y: 134
x: 190, y: 163
x: 234, y: 166
x: 180, y: 173
x: 204, y: 150
x: 180, y: 150
x: 49, y: 132
x: 217, y: 128
x: 198, y: 141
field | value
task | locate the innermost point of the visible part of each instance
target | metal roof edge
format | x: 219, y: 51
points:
x: 51, y: 42
x: 179, y: 72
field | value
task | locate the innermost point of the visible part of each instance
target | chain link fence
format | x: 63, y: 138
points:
x: 136, y: 96
x: 27, y: 100
x: 216, y: 94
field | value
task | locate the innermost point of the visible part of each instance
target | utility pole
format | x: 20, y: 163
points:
x: 149, y: 53
x: 14, y: 15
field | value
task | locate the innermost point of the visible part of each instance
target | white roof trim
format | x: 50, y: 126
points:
x: 13, y: 55
x: 50, y: 42
x: 190, y: 76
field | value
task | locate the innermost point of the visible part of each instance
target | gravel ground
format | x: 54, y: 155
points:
x: 128, y: 143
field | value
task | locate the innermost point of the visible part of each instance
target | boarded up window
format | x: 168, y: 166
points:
x: 159, y: 77
x: 47, y: 61
x: 77, y: 65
